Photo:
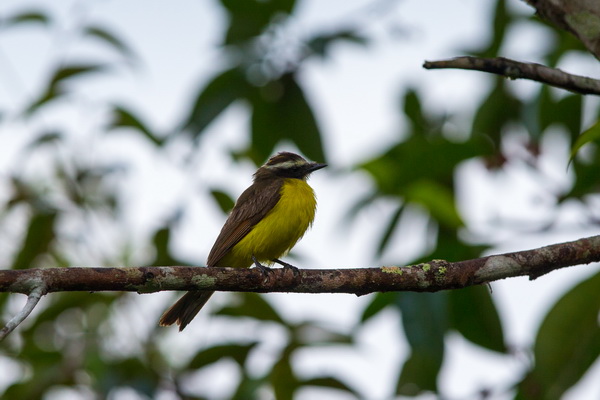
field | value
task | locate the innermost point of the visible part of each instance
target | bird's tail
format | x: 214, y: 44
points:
x: 186, y: 308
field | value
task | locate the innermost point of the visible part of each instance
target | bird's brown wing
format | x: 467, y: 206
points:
x: 250, y: 208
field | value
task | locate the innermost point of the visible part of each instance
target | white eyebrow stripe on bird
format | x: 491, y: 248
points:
x: 286, y: 164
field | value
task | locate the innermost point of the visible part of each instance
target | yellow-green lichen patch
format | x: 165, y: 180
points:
x: 203, y: 281
x: 392, y: 270
x: 426, y: 267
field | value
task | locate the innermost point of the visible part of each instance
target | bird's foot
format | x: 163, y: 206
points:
x: 266, y: 271
x: 285, y: 265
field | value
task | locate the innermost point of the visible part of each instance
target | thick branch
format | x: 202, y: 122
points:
x: 518, y: 70
x: 433, y: 276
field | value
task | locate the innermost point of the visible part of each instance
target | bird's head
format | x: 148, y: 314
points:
x: 287, y: 165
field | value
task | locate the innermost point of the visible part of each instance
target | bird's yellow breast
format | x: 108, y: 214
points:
x: 280, y: 229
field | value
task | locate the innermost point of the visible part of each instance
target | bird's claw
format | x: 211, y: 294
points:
x: 266, y: 271
x: 285, y: 265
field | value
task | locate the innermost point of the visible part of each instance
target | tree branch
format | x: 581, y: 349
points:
x: 518, y: 70
x: 426, y: 277
x: 432, y: 276
x: 32, y: 300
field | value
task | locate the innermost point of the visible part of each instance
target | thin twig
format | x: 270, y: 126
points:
x: 32, y: 300
x: 519, y: 70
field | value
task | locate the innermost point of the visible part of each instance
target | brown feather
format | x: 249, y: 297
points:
x: 251, y: 207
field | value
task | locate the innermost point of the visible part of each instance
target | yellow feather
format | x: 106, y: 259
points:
x: 279, y: 230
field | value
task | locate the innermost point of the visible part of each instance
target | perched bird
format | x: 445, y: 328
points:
x: 265, y: 223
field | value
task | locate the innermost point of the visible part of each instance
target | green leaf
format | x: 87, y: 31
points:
x: 502, y: 18
x: 425, y: 321
x: 219, y: 94
x: 223, y: 200
x: 252, y: 305
x: 40, y: 235
x: 46, y: 138
x: 499, y: 109
x: 312, y: 333
x: 38, y: 17
x: 437, y: 200
x: 282, y: 112
x: 380, y: 302
x: 330, y: 383
x: 131, y: 373
x: 567, y: 343
x: 238, y: 352
x: 569, y: 110
x: 419, y: 374
x: 592, y: 134
x: 282, y: 377
x: 55, y: 89
x: 320, y: 44
x: 124, y: 118
x: 474, y: 315
x: 389, y: 230
x: 248, y: 19
x: 109, y: 38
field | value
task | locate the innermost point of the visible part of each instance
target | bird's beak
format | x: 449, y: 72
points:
x: 315, y: 166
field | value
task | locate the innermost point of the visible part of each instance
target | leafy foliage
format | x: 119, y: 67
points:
x: 72, y: 344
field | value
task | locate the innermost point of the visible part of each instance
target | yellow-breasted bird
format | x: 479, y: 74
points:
x: 265, y: 223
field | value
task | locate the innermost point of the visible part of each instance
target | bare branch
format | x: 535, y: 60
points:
x: 32, y: 300
x: 433, y: 276
x: 518, y: 70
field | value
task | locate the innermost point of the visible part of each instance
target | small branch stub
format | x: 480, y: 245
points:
x: 32, y: 301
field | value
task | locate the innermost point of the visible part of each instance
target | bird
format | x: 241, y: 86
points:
x: 268, y: 219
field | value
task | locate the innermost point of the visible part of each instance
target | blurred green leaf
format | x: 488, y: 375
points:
x: 320, y: 44
x: 282, y: 112
x: 282, y: 377
x: 501, y: 20
x: 315, y: 334
x: 567, y: 343
x: 26, y: 17
x: 214, y: 98
x: 498, y: 109
x: 124, y: 118
x: 592, y: 134
x: 109, y: 38
x: 437, y: 200
x: 224, y: 201
x: 586, y: 177
x: 389, y: 230
x: 249, y: 388
x: 130, y: 372
x: 330, y: 383
x: 425, y: 321
x: 474, y: 315
x: 380, y: 301
x: 425, y: 155
x: 248, y: 19
x: 38, y: 238
x: 238, y: 352
x: 46, y: 138
x: 252, y: 305
x: 54, y: 88
x: 569, y: 111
